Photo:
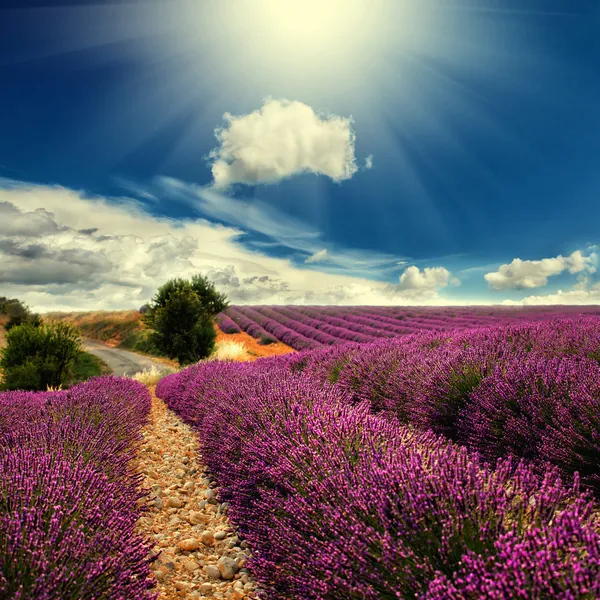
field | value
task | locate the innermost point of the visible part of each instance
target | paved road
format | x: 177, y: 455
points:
x: 122, y: 362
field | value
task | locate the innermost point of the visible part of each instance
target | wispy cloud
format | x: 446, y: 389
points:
x: 317, y: 256
x: 293, y: 234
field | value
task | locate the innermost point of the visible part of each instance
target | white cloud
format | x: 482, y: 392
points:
x: 317, y: 256
x: 94, y: 253
x: 369, y: 162
x: 529, y: 274
x: 430, y: 279
x: 582, y: 293
x: 281, y: 139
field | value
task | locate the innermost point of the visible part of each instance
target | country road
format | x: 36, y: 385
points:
x: 122, y: 362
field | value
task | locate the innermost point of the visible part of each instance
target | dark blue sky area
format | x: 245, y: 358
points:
x: 485, y: 140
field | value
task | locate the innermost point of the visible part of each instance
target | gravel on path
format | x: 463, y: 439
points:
x: 198, y: 554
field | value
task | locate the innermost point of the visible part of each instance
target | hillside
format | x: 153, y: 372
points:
x: 124, y: 329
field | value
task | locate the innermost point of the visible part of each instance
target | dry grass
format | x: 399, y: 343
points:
x: 151, y: 376
x: 230, y: 350
x: 110, y: 327
x: 253, y: 348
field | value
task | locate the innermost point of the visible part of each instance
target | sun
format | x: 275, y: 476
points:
x: 312, y: 26
x: 306, y: 42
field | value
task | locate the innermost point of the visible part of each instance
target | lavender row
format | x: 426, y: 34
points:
x: 530, y: 390
x: 248, y: 325
x: 68, y: 494
x: 226, y: 324
x: 337, y: 502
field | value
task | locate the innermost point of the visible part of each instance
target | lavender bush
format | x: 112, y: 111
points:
x: 68, y: 495
x: 543, y: 409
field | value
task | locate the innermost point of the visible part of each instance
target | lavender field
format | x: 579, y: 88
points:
x: 307, y: 327
x: 460, y: 464
x: 434, y: 465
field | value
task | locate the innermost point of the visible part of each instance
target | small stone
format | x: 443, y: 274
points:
x: 195, y: 517
x: 213, y: 572
x: 206, y: 587
x: 220, y: 535
x: 189, y: 544
x: 188, y: 486
x: 227, y: 567
x: 207, y: 538
x: 190, y: 565
x: 182, y: 586
x: 237, y: 595
x: 174, y: 502
x: 211, y: 496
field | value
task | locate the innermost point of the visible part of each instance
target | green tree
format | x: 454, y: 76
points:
x: 181, y: 316
x: 212, y: 300
x: 38, y: 357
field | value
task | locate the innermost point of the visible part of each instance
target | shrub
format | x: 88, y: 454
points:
x: 19, y: 314
x: 36, y: 358
x: 182, y: 329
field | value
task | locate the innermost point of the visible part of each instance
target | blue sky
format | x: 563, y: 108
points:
x: 384, y: 152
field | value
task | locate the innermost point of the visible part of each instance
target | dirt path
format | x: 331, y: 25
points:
x: 122, y: 362
x: 200, y: 557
